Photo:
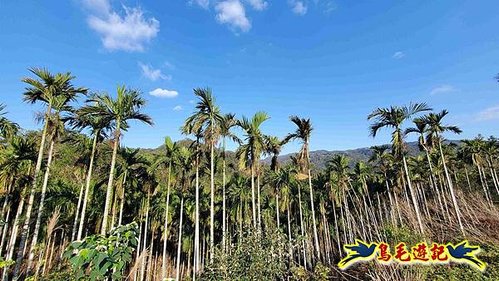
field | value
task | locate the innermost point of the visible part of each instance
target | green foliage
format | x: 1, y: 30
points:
x: 5, y: 263
x: 100, y: 258
x: 489, y: 254
x: 402, y: 234
x: 258, y: 256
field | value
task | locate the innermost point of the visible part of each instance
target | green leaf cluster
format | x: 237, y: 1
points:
x: 100, y: 257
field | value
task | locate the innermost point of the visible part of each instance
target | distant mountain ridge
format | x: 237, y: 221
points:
x: 319, y: 158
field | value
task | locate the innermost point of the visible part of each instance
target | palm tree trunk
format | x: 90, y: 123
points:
x: 337, y: 230
x: 433, y: 181
x: 277, y: 210
x: 163, y: 267
x: 289, y: 231
x: 13, y: 237
x: 137, y: 256
x: 224, y: 215
x: 109, y: 190
x: 483, y: 181
x: 122, y: 199
x: 302, y: 230
x: 197, y: 252
x: 467, y: 177
x: 5, y: 217
x: 451, y: 188
x: 87, y: 188
x: 27, y: 220
x: 258, y: 199
x: 144, y: 249
x: 413, y: 196
x: 492, y: 174
x: 4, y: 231
x: 77, y: 213
x: 212, y: 199
x: 316, y: 239
x: 253, y: 193
x: 179, y: 248
x: 40, y: 210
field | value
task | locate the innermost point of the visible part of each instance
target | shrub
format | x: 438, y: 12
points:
x: 99, y: 257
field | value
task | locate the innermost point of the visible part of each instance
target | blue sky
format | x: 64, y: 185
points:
x: 332, y: 61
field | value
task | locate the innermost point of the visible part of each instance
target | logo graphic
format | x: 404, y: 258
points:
x: 420, y: 253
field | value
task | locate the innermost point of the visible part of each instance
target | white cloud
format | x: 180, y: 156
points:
x: 153, y: 74
x: 328, y: 6
x: 298, y: 7
x: 491, y: 113
x: 98, y: 6
x: 163, y: 93
x: 258, y: 5
x: 177, y: 108
x: 232, y: 12
x: 442, y: 90
x: 128, y: 31
x: 201, y: 3
x: 398, y: 55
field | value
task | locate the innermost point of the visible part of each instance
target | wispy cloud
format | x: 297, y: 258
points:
x: 298, y: 7
x: 177, y: 108
x: 201, y: 3
x: 129, y: 30
x: 163, y: 93
x: 258, y: 5
x: 328, y: 6
x: 490, y: 113
x: 442, y: 89
x: 153, y: 74
x: 398, y: 55
x: 232, y: 13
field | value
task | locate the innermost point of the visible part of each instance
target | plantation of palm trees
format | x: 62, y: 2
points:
x: 76, y: 204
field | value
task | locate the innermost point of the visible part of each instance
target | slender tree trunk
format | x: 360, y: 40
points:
x: 144, y: 248
x: 6, y: 206
x: 277, y: 210
x: 13, y: 237
x: 122, y: 200
x: 337, y: 230
x: 197, y: 245
x: 77, y: 213
x: 289, y: 231
x: 253, y: 193
x: 137, y: 256
x: 224, y: 215
x: 413, y: 196
x: 212, y: 198
x: 27, y: 221
x: 433, y: 181
x: 467, y: 177
x: 451, y: 188
x: 163, y: 267
x: 151, y: 256
x: 302, y: 230
x: 179, y: 248
x: 258, y: 199
x: 492, y: 174
x: 483, y: 181
x: 4, y: 231
x: 109, y: 190
x: 316, y: 239
x: 87, y: 188
x: 40, y: 210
